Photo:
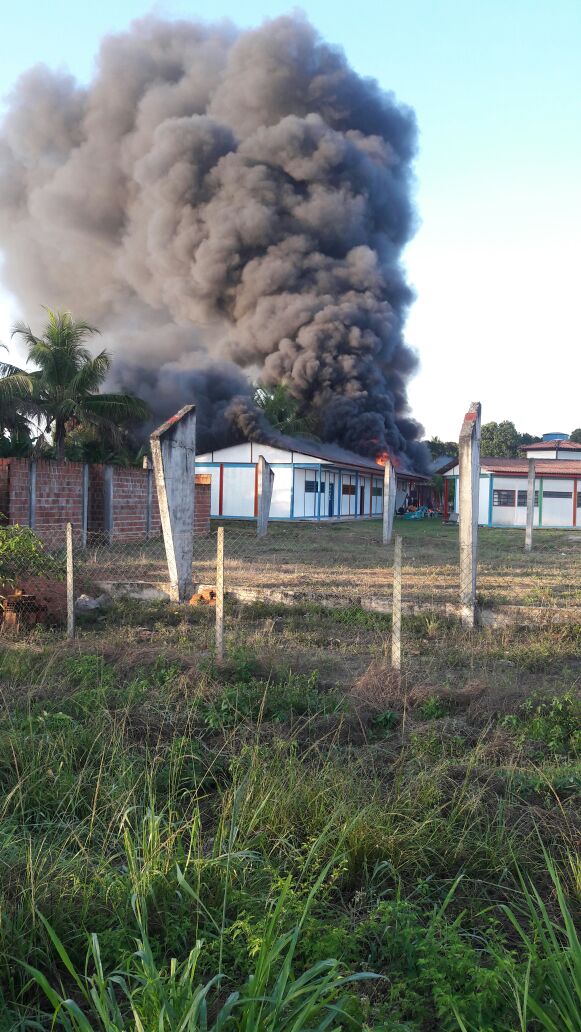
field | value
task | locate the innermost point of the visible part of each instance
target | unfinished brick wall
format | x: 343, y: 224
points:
x: 4, y: 490
x: 58, y: 498
x: 19, y: 491
x: 202, y: 504
x: 96, y: 507
x: 118, y: 501
x: 129, y: 504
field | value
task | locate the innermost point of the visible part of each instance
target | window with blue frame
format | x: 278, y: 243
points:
x: 504, y: 498
x: 311, y: 487
x: 522, y: 499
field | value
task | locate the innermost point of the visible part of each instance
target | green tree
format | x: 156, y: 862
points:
x: 576, y: 436
x: 64, y: 389
x: 503, y: 440
x: 283, y: 411
x: 16, y: 419
x: 439, y: 448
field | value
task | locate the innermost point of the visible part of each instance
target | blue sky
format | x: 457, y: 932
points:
x: 496, y: 262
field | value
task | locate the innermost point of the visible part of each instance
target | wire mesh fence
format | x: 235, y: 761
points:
x: 340, y: 564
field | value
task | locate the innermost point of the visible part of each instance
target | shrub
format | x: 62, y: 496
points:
x: 22, y: 553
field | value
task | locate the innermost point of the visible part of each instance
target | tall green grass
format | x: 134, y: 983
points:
x: 234, y: 849
x: 171, y: 998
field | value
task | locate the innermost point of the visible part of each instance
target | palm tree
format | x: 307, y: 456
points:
x: 283, y: 411
x: 64, y: 388
x: 16, y: 417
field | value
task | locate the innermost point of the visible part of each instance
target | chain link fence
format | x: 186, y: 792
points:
x: 340, y: 564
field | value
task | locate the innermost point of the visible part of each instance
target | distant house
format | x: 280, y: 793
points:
x: 503, y: 486
x: 312, y: 481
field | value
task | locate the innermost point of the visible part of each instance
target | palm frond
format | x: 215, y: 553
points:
x: 16, y: 386
x: 7, y: 369
x: 63, y: 328
x: 116, y: 407
x: 22, y: 329
x: 91, y: 374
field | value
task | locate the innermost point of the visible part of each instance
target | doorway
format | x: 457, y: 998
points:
x: 362, y: 500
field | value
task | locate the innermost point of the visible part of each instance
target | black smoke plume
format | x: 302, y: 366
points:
x: 219, y: 201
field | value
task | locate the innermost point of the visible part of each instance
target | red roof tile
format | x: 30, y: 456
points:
x: 543, y: 467
x: 551, y: 446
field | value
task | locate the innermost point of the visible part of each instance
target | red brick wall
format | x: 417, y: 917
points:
x: 59, y: 498
x: 19, y: 491
x: 4, y: 490
x: 203, y: 498
x: 96, y: 513
x: 129, y: 504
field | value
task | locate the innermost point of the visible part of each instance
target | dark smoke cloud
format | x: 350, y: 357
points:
x: 224, y: 199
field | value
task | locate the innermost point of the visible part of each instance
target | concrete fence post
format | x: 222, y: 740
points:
x: 396, y: 608
x: 108, y: 503
x: 85, y: 506
x: 469, y: 498
x: 173, y: 449
x: 530, y: 507
x: 389, y: 489
x: 264, y: 490
x: 148, y: 496
x: 70, y: 583
x: 220, y: 595
x: 32, y: 494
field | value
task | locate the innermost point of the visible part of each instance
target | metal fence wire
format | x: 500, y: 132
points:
x: 339, y: 564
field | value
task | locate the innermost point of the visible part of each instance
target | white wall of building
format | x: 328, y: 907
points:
x: 377, y: 498
x: 270, y: 454
x: 236, y: 453
x: 309, y: 489
x: 348, y: 495
x: 280, y: 505
x: 238, y: 491
x: 306, y: 493
x: 558, y: 511
x: 561, y: 453
x: 509, y: 501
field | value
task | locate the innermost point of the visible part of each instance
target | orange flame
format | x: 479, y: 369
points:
x: 382, y: 458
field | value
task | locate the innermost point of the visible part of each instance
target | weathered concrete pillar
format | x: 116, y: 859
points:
x: 85, y: 506
x: 220, y: 595
x: 469, y: 498
x: 173, y: 449
x: 108, y: 503
x: 265, y: 485
x: 32, y: 494
x: 530, y: 507
x: 389, y: 489
x: 70, y: 583
x: 396, y: 609
x: 148, y: 495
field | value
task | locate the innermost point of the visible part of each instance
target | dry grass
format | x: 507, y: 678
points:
x: 346, y: 563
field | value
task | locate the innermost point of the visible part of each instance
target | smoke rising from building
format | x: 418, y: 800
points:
x: 223, y: 205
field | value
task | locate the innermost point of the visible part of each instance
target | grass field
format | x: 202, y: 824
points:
x: 346, y: 561
x: 315, y: 844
